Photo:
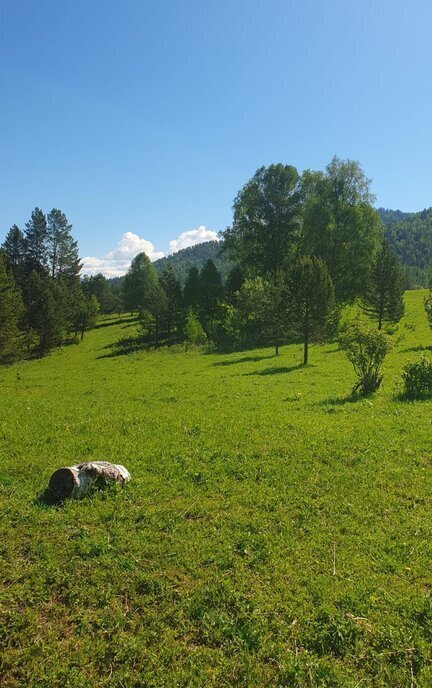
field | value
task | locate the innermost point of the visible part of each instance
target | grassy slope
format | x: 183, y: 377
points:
x: 215, y: 566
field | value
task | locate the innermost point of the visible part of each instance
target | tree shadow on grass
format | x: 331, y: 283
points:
x: 120, y: 321
x: 279, y: 371
x: 245, y: 359
x: 341, y: 401
x: 418, y: 348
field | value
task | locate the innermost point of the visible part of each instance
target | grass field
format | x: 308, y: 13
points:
x: 275, y: 532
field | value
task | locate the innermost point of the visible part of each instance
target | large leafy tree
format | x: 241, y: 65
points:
x: 384, y: 296
x: 11, y: 311
x: 266, y: 225
x: 312, y: 303
x: 36, y: 247
x: 340, y: 225
x: 62, y: 248
x: 139, y: 283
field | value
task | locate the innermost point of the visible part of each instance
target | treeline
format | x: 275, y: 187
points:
x: 302, y: 247
x: 42, y: 301
x: 410, y: 236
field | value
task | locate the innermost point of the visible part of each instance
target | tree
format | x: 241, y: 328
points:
x: 384, y: 297
x: 194, y: 332
x: 139, y: 283
x: 234, y: 281
x: 275, y: 309
x: 311, y: 301
x: 36, y: 248
x: 62, y: 249
x: 85, y: 314
x: 211, y: 291
x: 250, y: 304
x: 157, y: 307
x: 192, y: 289
x: 97, y: 285
x: 11, y: 311
x: 174, y: 305
x: 366, y: 349
x: 45, y: 309
x: 13, y: 248
x: 266, y: 226
x: 340, y: 225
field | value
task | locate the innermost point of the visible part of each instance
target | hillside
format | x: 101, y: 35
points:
x: 410, y: 235
x: 275, y: 532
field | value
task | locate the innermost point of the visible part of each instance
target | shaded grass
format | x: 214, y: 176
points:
x: 273, y: 534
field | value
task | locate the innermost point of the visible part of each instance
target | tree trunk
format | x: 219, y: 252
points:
x: 277, y: 349
x: 306, y: 350
x: 77, y: 481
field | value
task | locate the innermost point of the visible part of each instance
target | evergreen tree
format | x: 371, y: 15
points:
x: 174, y: 305
x: 211, y: 290
x: 46, y: 308
x: 36, y: 247
x: 194, y: 332
x: 139, y: 283
x: 192, y: 289
x: 62, y: 249
x: 384, y: 297
x: 234, y: 281
x: 311, y: 301
x: 275, y: 309
x: 98, y: 286
x: 13, y: 248
x: 11, y: 311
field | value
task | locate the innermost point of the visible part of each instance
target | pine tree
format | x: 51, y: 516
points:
x: 11, y: 311
x: 384, y: 297
x: 211, y: 290
x: 46, y: 310
x: 139, y: 283
x: 13, y: 248
x: 234, y: 281
x: 275, y: 309
x: 174, y: 306
x: 311, y: 295
x: 192, y: 289
x: 61, y: 247
x: 36, y: 247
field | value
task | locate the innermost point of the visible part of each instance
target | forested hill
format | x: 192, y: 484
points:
x: 410, y: 235
x: 187, y: 258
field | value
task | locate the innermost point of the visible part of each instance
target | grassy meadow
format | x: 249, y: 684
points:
x: 275, y: 532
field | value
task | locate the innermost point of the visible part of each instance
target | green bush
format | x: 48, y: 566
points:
x: 366, y: 349
x: 417, y: 379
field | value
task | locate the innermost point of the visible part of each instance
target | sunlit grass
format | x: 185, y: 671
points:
x: 275, y: 532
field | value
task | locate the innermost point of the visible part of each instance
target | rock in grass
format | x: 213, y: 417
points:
x: 76, y: 482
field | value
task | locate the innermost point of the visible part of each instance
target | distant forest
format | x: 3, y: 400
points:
x: 410, y: 236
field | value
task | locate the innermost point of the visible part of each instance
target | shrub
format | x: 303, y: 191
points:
x: 366, y: 349
x: 417, y: 379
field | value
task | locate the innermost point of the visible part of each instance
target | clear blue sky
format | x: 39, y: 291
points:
x: 147, y: 117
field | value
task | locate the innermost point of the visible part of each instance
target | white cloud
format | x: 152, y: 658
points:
x: 117, y: 262
x: 192, y: 237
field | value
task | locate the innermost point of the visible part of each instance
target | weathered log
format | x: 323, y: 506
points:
x: 77, y: 481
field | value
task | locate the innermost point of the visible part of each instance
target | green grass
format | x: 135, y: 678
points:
x: 215, y: 566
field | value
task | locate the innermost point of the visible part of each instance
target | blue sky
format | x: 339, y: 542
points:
x: 145, y: 118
